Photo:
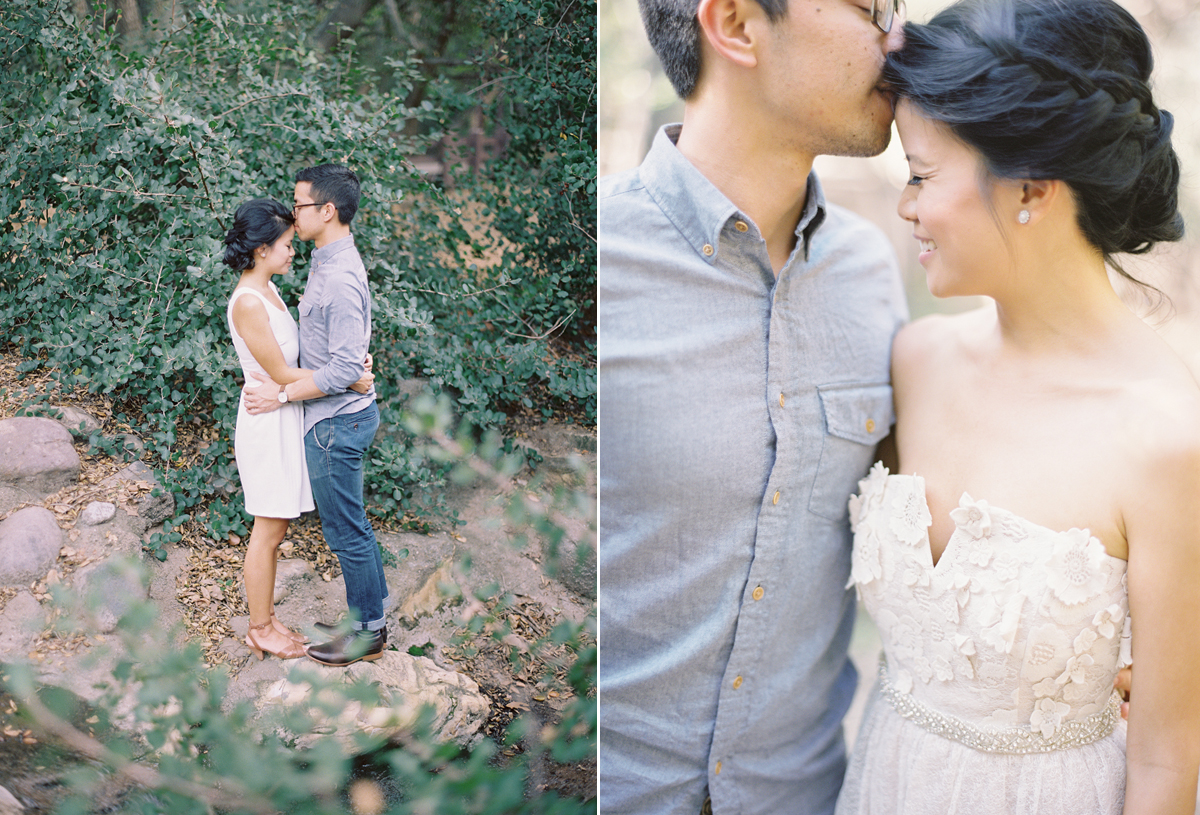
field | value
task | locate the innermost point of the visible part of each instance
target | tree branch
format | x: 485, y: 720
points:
x: 237, y: 798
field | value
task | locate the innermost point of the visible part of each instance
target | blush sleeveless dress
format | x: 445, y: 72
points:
x: 269, y: 447
x: 994, y: 694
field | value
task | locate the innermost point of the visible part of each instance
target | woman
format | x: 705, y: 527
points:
x: 269, y: 447
x: 1043, y: 518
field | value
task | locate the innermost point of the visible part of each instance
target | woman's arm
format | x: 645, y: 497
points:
x: 253, y: 325
x: 1163, y: 530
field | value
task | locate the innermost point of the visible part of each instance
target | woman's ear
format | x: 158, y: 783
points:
x: 729, y: 27
x: 1036, y: 198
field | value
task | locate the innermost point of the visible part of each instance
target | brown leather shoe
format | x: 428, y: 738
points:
x: 350, y: 648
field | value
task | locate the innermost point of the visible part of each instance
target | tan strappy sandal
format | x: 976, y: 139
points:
x: 295, y: 636
x: 293, y: 650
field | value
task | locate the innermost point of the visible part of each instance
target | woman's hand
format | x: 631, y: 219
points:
x: 364, y: 385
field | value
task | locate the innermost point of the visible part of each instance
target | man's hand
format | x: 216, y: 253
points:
x: 1124, y: 684
x: 263, y: 398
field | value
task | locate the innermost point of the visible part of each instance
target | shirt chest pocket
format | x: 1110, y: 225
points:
x: 308, y: 308
x: 857, y: 417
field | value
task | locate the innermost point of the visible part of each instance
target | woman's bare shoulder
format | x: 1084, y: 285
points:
x: 932, y: 339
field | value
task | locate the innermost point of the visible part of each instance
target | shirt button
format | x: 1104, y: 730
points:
x: 737, y: 683
x: 775, y: 500
x: 717, y: 770
x: 741, y: 226
x: 758, y: 593
x: 781, y: 400
x: 870, y: 425
x: 707, y: 250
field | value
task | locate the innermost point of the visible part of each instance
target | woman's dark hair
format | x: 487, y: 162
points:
x: 256, y: 223
x: 1053, y: 89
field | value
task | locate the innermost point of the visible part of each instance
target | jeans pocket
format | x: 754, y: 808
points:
x: 857, y: 418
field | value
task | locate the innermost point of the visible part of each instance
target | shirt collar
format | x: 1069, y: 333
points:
x: 326, y: 252
x: 697, y: 208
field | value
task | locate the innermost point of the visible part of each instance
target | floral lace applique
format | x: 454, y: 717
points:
x: 1076, y: 572
x: 911, y: 521
x: 973, y: 517
x: 865, y: 563
x: 1047, y: 716
x: 870, y: 494
x: 1109, y: 620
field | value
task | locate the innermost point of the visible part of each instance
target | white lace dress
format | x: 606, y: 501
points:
x: 995, y: 690
x: 269, y: 447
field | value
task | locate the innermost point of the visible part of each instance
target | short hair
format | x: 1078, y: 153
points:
x: 259, y: 222
x: 334, y: 184
x: 1044, y: 89
x: 674, y: 33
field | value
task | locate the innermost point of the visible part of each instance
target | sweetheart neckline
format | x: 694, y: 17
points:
x: 928, y: 547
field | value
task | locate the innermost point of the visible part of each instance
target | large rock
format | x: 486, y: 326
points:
x: 150, y: 510
x: 37, y: 454
x: 29, y: 543
x: 109, y: 589
x: 22, y: 619
x: 80, y: 423
x: 406, y: 684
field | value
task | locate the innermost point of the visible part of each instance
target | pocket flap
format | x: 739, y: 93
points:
x: 861, y: 413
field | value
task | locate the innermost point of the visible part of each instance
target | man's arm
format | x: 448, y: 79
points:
x: 265, y: 397
x: 345, y: 314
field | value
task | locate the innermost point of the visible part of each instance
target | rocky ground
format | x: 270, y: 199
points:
x: 68, y: 525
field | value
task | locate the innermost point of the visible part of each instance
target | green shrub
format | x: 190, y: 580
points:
x: 119, y: 171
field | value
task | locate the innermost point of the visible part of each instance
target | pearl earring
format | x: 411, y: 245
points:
x: 1023, y: 216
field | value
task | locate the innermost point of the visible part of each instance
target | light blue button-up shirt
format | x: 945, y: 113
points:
x: 335, y: 330
x: 737, y: 412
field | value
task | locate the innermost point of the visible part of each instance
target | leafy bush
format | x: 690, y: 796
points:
x: 122, y: 163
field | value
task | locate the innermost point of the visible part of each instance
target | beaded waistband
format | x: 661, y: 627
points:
x: 1015, y: 740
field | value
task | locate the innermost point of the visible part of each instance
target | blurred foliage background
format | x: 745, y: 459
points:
x: 636, y: 99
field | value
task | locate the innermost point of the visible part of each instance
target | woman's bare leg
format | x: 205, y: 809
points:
x: 259, y: 575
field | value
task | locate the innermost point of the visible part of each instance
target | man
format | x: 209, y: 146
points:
x: 745, y: 328
x: 339, y: 424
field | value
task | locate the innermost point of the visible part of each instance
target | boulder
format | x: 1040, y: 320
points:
x: 37, y: 454
x: 22, y: 619
x: 405, y: 684
x: 150, y: 510
x: 29, y: 544
x: 109, y: 589
x: 79, y: 423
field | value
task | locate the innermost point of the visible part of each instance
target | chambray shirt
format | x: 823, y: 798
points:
x: 736, y: 413
x: 335, y: 330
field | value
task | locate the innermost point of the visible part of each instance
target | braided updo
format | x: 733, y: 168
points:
x: 256, y: 223
x: 1046, y: 89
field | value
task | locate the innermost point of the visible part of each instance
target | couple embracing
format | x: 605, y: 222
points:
x: 307, y: 413
x: 1033, y: 526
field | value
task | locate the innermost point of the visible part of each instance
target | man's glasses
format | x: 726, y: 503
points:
x: 323, y: 203
x: 885, y: 12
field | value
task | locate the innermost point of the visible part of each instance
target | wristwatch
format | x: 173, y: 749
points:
x: 283, y: 395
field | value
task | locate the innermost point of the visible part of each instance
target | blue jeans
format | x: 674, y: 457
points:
x: 335, y: 449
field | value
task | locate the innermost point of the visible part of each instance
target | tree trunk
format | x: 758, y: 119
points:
x: 131, y: 18
x: 346, y: 14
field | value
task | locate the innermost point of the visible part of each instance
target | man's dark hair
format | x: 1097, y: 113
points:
x: 674, y: 33
x: 334, y: 184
